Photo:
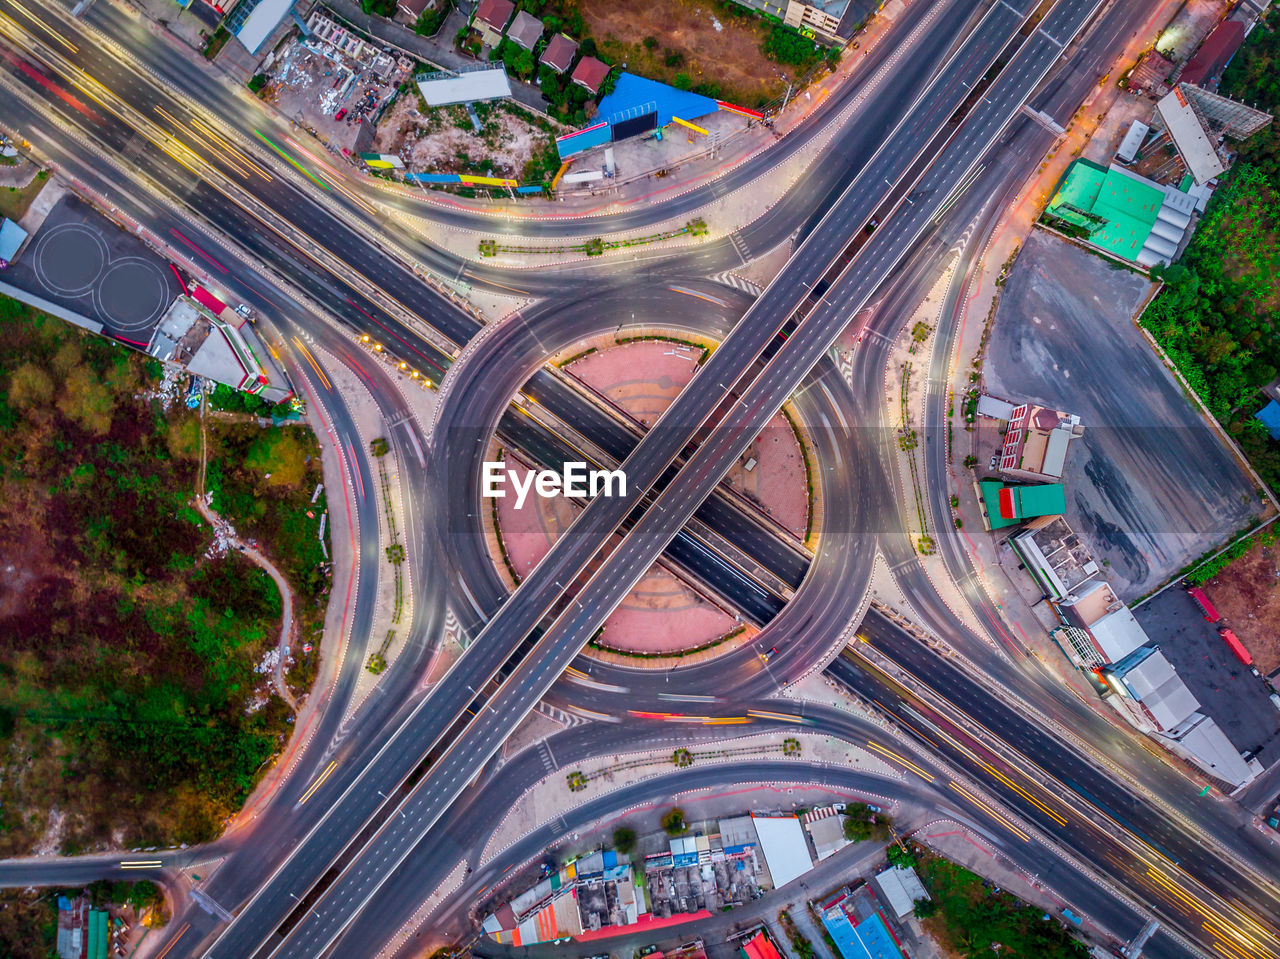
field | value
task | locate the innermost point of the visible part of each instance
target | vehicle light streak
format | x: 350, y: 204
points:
x: 900, y: 759
x: 174, y: 941
x: 47, y: 29
x: 311, y: 360
x: 998, y: 817
x: 355, y: 469
x: 700, y: 296
x: 229, y: 147
x: 311, y: 790
x: 291, y: 161
x: 191, y: 243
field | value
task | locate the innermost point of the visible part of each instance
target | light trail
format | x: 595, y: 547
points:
x: 311, y: 790
x: 291, y: 161
x: 1003, y: 820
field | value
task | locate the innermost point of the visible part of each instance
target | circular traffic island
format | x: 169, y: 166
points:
x: 668, y: 618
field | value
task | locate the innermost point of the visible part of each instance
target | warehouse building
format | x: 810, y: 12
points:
x: 1121, y: 213
x: 1152, y: 696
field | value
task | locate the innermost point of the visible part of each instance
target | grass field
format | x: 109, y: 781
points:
x: 15, y: 201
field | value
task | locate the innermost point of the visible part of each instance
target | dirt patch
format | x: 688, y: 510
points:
x: 708, y: 43
x: 1247, y: 594
x: 444, y: 139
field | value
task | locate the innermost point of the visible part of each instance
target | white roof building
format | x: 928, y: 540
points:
x: 1205, y: 744
x: 1189, y: 136
x: 487, y: 84
x: 900, y: 887
x: 262, y: 22
x: 1132, y: 141
x: 1118, y: 634
x: 785, y: 851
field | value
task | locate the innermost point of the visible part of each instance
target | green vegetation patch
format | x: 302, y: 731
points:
x: 15, y: 201
x: 129, y: 693
x: 28, y: 923
x: 969, y: 918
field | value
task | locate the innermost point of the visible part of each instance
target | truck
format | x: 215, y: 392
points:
x: 1211, y: 614
x: 1237, y: 647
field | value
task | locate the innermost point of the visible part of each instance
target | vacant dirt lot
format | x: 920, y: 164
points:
x: 443, y: 140
x: 1247, y: 594
x: 694, y: 37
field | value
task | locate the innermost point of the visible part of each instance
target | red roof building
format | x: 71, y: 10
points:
x: 491, y: 19
x: 759, y: 947
x: 559, y: 53
x: 590, y: 73
x: 1214, y: 54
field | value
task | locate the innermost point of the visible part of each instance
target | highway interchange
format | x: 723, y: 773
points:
x: 410, y: 787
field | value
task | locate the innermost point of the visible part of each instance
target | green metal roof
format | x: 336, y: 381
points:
x: 1047, y: 500
x: 1027, y: 501
x: 98, y: 935
x: 1118, y: 210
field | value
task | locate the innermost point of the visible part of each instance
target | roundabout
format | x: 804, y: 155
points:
x: 668, y: 617
x: 813, y: 611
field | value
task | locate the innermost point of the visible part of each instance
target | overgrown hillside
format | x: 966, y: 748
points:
x: 134, y: 708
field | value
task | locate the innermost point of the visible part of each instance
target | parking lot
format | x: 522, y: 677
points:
x: 1150, y: 486
x: 1229, y: 692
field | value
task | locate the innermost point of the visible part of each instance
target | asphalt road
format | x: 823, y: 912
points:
x: 315, y: 930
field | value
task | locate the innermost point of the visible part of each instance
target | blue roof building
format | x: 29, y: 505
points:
x: 869, y: 939
x: 1268, y: 416
x: 638, y: 105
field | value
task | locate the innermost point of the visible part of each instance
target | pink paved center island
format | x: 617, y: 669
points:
x: 663, y: 616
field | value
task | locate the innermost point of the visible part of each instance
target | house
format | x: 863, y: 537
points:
x: 1268, y: 416
x: 559, y: 53
x: 590, y: 73
x: 491, y: 20
x: 1036, y: 441
x: 525, y: 30
x: 1214, y: 54
x: 413, y: 9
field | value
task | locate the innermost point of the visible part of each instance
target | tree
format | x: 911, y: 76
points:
x: 624, y: 840
x: 379, y: 446
x: 673, y: 823
x: 682, y: 81
x: 379, y: 8
x: 856, y: 830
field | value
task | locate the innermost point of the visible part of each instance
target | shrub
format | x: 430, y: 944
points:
x: 673, y: 823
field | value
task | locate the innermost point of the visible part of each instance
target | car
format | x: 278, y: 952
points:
x: 770, y: 654
x: 340, y: 114
x: 244, y: 311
